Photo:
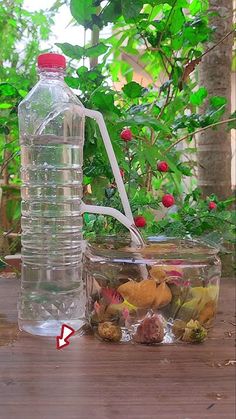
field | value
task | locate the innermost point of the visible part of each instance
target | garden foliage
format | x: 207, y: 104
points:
x: 164, y: 40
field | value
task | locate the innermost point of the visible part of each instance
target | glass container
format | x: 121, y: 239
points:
x: 164, y: 292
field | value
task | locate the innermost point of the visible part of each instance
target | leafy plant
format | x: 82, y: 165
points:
x: 164, y: 41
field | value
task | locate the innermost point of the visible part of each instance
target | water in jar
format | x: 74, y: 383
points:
x: 160, y: 293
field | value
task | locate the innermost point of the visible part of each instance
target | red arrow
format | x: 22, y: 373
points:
x: 66, y: 332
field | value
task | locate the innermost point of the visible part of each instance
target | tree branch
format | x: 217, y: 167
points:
x: 190, y: 134
x: 6, y: 161
x: 218, y: 43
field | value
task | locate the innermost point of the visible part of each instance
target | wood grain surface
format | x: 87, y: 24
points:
x: 94, y: 380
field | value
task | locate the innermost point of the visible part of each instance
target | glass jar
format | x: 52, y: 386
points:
x: 162, y: 293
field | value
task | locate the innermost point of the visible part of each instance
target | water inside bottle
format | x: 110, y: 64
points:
x: 52, y: 291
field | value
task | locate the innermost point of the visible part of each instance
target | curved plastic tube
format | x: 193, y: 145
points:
x: 94, y: 209
x: 114, y: 165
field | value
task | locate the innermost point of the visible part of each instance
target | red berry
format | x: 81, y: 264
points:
x: 212, y: 205
x: 122, y: 173
x: 140, y: 221
x: 163, y: 166
x: 168, y: 200
x: 126, y: 135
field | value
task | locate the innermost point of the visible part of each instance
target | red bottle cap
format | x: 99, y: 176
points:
x: 51, y: 60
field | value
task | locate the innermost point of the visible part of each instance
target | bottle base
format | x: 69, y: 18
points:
x: 48, y: 328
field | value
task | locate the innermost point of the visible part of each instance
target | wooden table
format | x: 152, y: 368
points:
x: 94, y: 380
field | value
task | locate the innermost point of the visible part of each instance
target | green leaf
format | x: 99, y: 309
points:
x: 218, y: 101
x: 103, y: 101
x: 132, y: 90
x: 72, y: 51
x: 178, y: 3
x: 4, y: 130
x: 23, y: 93
x: 184, y: 169
x: 197, y: 6
x: 177, y: 42
x: 82, y: 11
x: 131, y: 8
x: 198, y: 97
x: 98, y: 187
x: 96, y: 50
x: 82, y: 70
x: 6, y: 105
x: 72, y: 82
x: 177, y: 21
x: 6, y: 89
x: 77, y: 52
x: 126, y: 71
x: 111, y: 12
x: 156, y: 183
x: 150, y: 156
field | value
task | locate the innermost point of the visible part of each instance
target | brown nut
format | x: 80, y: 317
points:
x: 150, y: 330
x: 109, y: 331
x: 178, y: 328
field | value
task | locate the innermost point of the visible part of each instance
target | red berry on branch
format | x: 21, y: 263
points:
x: 212, y: 206
x: 140, y: 221
x: 163, y: 166
x: 168, y: 200
x: 126, y: 135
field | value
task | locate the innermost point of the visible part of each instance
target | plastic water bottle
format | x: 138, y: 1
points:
x: 51, y: 138
x: 51, y: 120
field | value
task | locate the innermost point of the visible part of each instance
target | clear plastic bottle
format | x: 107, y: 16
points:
x: 51, y: 137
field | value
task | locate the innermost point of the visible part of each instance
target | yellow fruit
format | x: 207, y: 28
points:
x: 201, y: 296
x: 163, y: 296
x: 207, y: 313
x: 158, y: 274
x: 139, y: 294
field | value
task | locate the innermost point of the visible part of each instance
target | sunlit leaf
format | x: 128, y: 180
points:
x: 218, y: 101
x: 5, y: 105
x: 198, y: 97
x: 177, y: 21
x: 6, y: 89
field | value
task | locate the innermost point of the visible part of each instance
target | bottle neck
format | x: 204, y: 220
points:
x: 51, y: 73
